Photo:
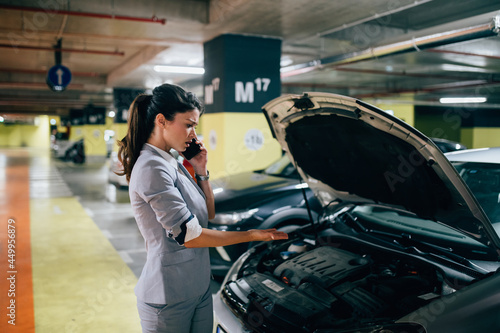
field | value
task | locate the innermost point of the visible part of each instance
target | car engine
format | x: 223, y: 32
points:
x: 335, y: 286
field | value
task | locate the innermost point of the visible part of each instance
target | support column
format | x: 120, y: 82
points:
x: 242, y: 73
x: 480, y: 128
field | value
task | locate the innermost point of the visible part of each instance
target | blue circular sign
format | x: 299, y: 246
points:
x: 58, y: 77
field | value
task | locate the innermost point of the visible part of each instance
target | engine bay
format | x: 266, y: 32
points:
x: 303, y: 285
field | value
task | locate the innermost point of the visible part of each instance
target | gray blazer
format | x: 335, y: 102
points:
x: 163, y: 201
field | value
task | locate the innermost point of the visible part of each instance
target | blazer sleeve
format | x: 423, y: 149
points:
x: 159, y: 189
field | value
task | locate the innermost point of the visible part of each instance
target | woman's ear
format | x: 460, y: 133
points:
x: 160, y: 120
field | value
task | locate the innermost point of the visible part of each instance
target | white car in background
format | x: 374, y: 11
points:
x: 480, y: 168
x: 114, y: 166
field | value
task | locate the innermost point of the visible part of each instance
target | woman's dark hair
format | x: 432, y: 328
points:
x: 167, y: 99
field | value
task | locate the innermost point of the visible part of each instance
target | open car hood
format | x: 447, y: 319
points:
x: 350, y: 151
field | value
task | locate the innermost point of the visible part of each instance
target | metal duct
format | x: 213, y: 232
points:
x: 416, y: 44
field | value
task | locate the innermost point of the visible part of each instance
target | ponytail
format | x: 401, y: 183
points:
x: 140, y: 125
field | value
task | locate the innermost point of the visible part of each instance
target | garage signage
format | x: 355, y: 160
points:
x: 58, y: 77
x: 242, y: 73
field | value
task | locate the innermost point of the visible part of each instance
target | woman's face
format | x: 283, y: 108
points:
x: 180, y: 131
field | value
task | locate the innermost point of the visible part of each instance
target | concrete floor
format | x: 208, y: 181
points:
x: 83, y: 251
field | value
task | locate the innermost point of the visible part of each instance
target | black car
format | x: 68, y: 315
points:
x: 269, y: 198
x: 447, y: 146
x: 252, y: 200
x: 402, y: 244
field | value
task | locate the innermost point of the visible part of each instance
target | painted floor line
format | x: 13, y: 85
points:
x: 16, y: 289
x: 81, y: 284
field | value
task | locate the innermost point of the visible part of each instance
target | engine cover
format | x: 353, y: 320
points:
x: 324, y: 266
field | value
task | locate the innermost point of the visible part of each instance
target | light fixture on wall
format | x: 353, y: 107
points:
x: 453, y: 100
x: 179, y: 69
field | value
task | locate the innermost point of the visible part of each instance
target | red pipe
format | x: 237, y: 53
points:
x: 463, y: 53
x: 154, y: 19
x: 39, y: 48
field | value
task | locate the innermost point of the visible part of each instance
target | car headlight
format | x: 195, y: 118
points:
x: 233, y: 218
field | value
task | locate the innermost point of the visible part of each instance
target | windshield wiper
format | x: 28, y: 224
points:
x: 411, y: 245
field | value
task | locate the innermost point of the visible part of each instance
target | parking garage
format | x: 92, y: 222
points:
x: 72, y: 251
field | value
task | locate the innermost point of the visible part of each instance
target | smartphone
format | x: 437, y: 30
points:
x: 191, y: 150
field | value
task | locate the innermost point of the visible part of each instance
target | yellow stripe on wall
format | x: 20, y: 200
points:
x: 481, y: 137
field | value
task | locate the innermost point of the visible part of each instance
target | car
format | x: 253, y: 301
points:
x: 401, y: 243
x: 447, y: 145
x: 250, y: 200
x: 120, y: 182
x: 65, y: 149
x: 272, y: 197
x: 480, y: 168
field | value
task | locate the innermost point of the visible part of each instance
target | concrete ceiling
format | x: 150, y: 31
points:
x: 392, y: 50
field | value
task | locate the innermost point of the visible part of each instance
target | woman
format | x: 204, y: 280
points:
x: 172, y: 212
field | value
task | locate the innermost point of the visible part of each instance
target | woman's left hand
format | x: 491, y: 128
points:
x: 267, y: 234
x: 199, y: 161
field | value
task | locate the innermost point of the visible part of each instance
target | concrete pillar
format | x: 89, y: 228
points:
x: 242, y: 73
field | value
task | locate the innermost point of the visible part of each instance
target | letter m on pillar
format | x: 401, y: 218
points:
x: 243, y: 94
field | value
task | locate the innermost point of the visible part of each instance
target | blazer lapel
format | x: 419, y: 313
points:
x: 188, y: 175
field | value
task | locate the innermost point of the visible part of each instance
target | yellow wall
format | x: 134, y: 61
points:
x: 94, y: 143
x: 93, y: 136
x: 405, y: 112
x: 76, y: 133
x: 10, y: 135
x: 224, y: 137
x: 480, y: 137
x: 37, y: 136
x: 120, y: 132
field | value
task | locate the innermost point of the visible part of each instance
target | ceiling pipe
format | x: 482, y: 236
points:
x: 463, y: 85
x: 463, y: 53
x: 52, y: 49
x: 44, y: 72
x: 385, y: 92
x: 122, y: 39
x: 153, y: 19
x: 52, y: 103
x: 405, y: 74
x: 415, y: 44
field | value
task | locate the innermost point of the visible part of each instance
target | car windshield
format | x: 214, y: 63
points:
x: 483, y: 180
x: 281, y: 168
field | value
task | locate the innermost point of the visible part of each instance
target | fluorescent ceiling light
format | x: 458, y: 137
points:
x: 448, y: 100
x: 179, y: 69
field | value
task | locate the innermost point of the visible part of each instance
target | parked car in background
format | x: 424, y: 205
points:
x: 401, y: 245
x: 480, y: 168
x: 116, y: 166
x: 273, y: 197
x: 67, y: 150
x: 248, y: 200
x: 447, y: 146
